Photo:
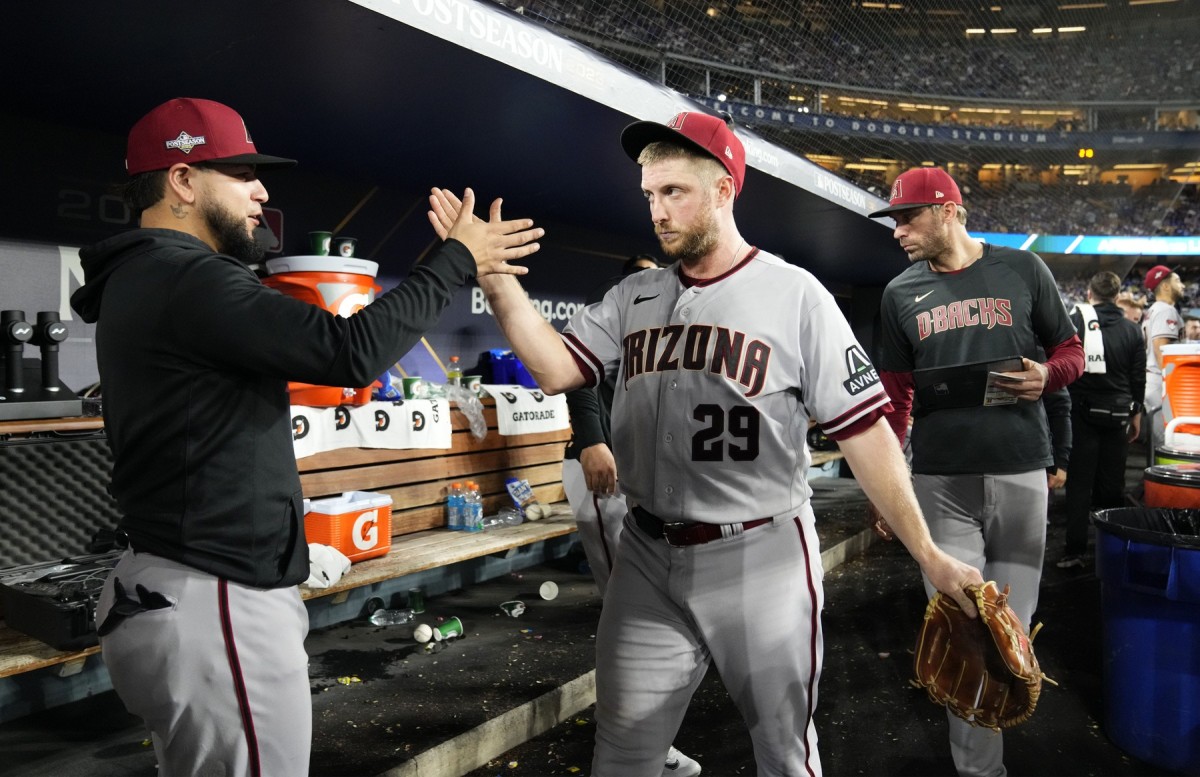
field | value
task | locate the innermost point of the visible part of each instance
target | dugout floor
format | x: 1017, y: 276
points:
x: 382, y: 703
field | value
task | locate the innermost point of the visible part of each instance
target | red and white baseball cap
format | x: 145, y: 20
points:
x: 1156, y: 275
x: 921, y: 186
x: 708, y: 134
x: 190, y: 130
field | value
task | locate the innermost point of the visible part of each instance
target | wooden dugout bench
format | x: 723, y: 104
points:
x: 416, y: 479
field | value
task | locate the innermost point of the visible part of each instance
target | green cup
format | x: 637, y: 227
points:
x: 343, y: 246
x: 318, y: 243
x: 416, y: 599
x: 448, y: 629
x: 414, y: 388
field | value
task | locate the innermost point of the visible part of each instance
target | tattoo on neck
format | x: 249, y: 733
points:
x: 179, y: 210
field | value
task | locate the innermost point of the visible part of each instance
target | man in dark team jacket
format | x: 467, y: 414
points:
x: 979, y: 462
x: 201, y: 623
x: 1106, y: 405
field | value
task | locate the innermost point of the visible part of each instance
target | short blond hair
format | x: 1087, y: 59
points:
x: 709, y: 169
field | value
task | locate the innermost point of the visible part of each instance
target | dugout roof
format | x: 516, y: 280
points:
x: 415, y: 93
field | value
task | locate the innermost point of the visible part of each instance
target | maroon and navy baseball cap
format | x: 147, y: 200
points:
x: 707, y: 134
x: 190, y: 130
x: 921, y: 186
x: 1156, y: 275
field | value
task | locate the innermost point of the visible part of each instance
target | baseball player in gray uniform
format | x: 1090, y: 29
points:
x: 720, y: 360
x: 979, y: 472
x: 590, y: 480
x: 1162, y: 325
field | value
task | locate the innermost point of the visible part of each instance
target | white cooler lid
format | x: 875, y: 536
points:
x: 1177, y: 349
x: 346, y: 264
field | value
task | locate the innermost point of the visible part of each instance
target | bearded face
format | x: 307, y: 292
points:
x: 231, y: 232
x: 692, y: 241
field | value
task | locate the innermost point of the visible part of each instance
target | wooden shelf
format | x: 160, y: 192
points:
x: 409, y: 554
x: 50, y: 425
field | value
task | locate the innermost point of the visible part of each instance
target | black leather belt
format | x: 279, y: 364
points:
x: 679, y: 534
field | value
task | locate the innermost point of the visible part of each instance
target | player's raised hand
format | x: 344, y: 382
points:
x: 444, y: 206
x: 494, y: 242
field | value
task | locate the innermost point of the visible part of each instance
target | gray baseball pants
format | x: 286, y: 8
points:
x: 997, y: 524
x: 220, y: 676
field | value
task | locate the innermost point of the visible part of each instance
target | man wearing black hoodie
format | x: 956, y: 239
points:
x: 201, y: 624
x: 1105, y: 409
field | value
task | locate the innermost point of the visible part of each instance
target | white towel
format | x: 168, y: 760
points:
x: 326, y: 565
x: 1093, y: 341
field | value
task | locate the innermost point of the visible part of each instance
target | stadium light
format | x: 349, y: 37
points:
x: 1086, y: 153
x: 1004, y: 30
x: 1042, y: 30
x: 1071, y: 29
x: 975, y: 31
x: 1149, y: 2
x: 1081, y: 6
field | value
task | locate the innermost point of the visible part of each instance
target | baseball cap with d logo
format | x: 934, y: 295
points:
x: 921, y: 186
x: 712, y: 135
x: 191, y: 130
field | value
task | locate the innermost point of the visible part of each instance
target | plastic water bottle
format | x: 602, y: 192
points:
x: 455, y: 502
x: 391, y: 617
x: 473, y: 508
x: 507, y: 516
x: 454, y: 372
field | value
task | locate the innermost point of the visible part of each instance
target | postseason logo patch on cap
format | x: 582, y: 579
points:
x: 185, y: 142
x: 189, y: 130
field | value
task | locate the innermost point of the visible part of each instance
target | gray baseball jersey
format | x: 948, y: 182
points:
x: 716, y: 384
x: 716, y: 381
x: 1162, y: 320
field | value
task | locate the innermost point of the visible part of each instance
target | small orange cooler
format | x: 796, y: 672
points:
x: 358, y: 523
x: 343, y: 285
x: 1181, y: 384
x: 1172, y: 485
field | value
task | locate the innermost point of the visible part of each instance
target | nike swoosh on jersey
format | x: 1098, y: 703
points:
x: 923, y: 296
x: 640, y: 300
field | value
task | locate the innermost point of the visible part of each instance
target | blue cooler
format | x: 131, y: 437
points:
x: 1148, y: 562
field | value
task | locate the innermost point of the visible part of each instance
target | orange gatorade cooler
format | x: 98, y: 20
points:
x: 358, y: 523
x: 1181, y: 383
x: 343, y: 285
x: 1172, y: 485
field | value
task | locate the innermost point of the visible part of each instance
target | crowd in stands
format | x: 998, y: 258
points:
x: 1130, y: 64
x: 1053, y: 210
x: 1085, y: 210
x: 1125, y: 65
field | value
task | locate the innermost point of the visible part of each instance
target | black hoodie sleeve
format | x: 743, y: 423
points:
x: 224, y: 314
x: 1058, y: 416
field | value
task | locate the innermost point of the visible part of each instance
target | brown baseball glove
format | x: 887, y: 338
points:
x: 982, y: 669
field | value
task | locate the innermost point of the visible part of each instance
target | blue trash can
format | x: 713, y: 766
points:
x: 1148, y: 562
